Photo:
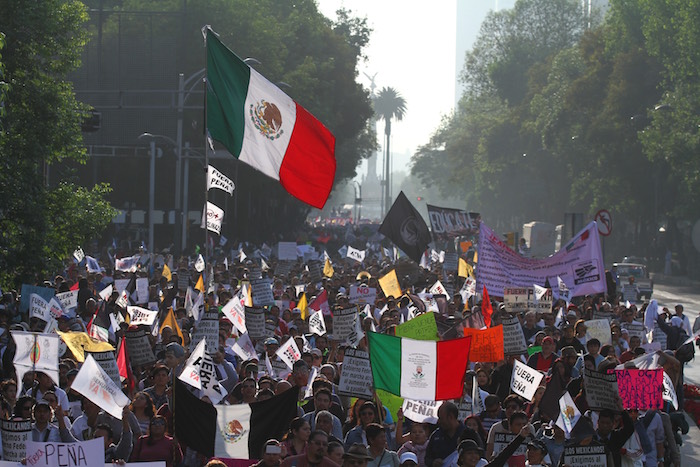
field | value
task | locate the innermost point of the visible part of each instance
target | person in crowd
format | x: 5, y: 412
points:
x: 271, y: 455
x: 417, y: 441
x: 297, y: 437
x: 322, y: 402
x: 544, y: 359
x: 116, y: 452
x: 156, y: 445
x: 43, y: 431
x: 158, y: 392
x: 356, y: 456
x: 315, y: 455
x: 443, y: 441
x: 376, y: 442
x: 143, y: 409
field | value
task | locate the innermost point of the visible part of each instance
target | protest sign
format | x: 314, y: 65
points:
x: 421, y: 411
x: 183, y: 280
x: 451, y: 262
x: 356, y: 377
x: 423, y: 328
x: 670, y: 391
x: 234, y: 310
x: 344, y: 323
x: 569, y: 414
x: 439, y: 289
x: 68, y: 300
x: 79, y: 343
x: 589, y: 455
x: 390, y: 284
x: 660, y: 337
x: 15, y: 435
x: 262, y: 292
x: 641, y: 389
x: 142, y: 294
x: 317, y: 324
x: 139, y: 347
x: 315, y: 271
x: 487, y: 344
x: 93, y: 383
x: 635, y: 328
x: 255, y: 323
x: 190, y: 373
x: 449, y: 223
x: 601, y: 390
x: 287, y: 251
x: 513, y: 336
x: 27, y: 290
x: 54, y: 454
x: 579, y: 263
x: 141, y: 316
x: 502, y: 440
x: 284, y: 268
x: 356, y: 255
x: 361, y: 295
x: 39, y: 308
x: 56, y: 310
x: 108, y: 362
x: 599, y: 329
x: 539, y: 299
x: 208, y: 328
x: 515, y: 299
x: 216, y: 179
x: 525, y: 380
x: 244, y: 347
x: 289, y: 352
x: 212, y: 217
x: 35, y: 352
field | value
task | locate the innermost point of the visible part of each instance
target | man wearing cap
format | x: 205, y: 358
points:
x: 568, y: 339
x: 43, y: 431
x: 409, y: 459
x: 544, y: 359
x: 356, y: 456
x: 536, y: 452
x: 43, y: 384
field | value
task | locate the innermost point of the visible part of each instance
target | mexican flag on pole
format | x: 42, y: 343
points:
x: 263, y: 127
x: 419, y: 370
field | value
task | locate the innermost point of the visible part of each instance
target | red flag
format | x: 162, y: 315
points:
x: 75, y: 286
x: 124, y: 366
x: 486, y: 308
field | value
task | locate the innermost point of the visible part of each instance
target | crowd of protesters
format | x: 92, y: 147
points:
x: 333, y: 429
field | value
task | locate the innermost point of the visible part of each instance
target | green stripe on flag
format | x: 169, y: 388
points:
x: 227, y: 88
x: 385, y: 358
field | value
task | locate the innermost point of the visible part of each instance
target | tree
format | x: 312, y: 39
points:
x: 41, y: 225
x: 388, y: 106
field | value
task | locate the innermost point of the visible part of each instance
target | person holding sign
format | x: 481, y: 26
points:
x: 156, y: 446
x: 613, y: 439
x: 43, y: 431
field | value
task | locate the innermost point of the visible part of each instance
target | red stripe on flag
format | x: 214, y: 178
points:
x: 308, y: 168
x: 452, y: 358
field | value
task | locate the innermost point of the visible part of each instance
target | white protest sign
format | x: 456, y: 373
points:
x: 362, y: 295
x: 356, y: 255
x: 234, y: 310
x: 190, y: 374
x: 55, y: 308
x: 213, y: 218
x: 262, y: 292
x: 78, y: 254
x: 35, y: 352
x: 515, y: 299
x: 564, y: 292
x: 68, y: 300
x: 525, y: 380
x: 141, y: 316
x: 599, y: 329
x: 287, y: 251
x: 601, y: 390
x: 92, y: 265
x: 502, y: 440
x: 210, y: 384
x: 139, y: 347
x: 207, y: 328
x: 106, y: 292
x: 244, y: 347
x: 255, y: 323
x: 108, y: 362
x: 317, y: 324
x: 15, y: 435
x: 128, y: 264
x: 39, y: 308
x: 142, y: 290
x: 216, y: 179
x: 468, y: 289
x: 589, y: 455
x: 513, y: 336
x: 344, y: 323
x: 356, y: 377
x: 439, y: 289
x: 289, y: 352
x: 669, y: 393
x: 421, y: 411
x: 93, y: 383
x: 54, y: 454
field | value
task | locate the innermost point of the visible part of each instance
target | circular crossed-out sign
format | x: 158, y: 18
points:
x: 604, y: 221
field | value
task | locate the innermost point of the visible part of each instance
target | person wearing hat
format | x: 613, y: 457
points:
x: 536, y: 452
x: 569, y: 339
x: 356, y: 456
x: 271, y: 346
x: 43, y: 384
x: 544, y: 359
x: 43, y: 431
x: 408, y: 459
x: 174, y: 356
x: 469, y: 453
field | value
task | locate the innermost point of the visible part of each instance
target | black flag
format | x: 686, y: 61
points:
x: 404, y: 226
x: 194, y: 420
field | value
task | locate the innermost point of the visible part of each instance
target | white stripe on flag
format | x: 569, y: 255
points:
x: 418, y: 369
x: 232, y: 431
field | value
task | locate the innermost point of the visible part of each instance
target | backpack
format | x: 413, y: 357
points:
x: 685, y: 352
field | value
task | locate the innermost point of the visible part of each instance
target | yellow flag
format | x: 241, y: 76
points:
x: 200, y: 283
x: 476, y: 257
x: 303, y: 306
x: 328, y: 268
x: 465, y: 269
x: 390, y: 284
x: 171, y: 322
x: 166, y: 273
x: 81, y: 342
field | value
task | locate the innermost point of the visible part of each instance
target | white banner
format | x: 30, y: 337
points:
x: 357, y: 255
x: 93, y: 383
x: 421, y: 411
x: 127, y: 264
x: 234, y: 310
x: 361, y: 295
x: 289, y: 352
x: 244, y: 348
x: 54, y: 454
x: 15, y: 435
x: 317, y: 324
x: 525, y: 380
x: 35, y: 352
x: 579, y: 264
x: 356, y: 377
x: 216, y: 179
x: 213, y: 218
x: 141, y: 316
x: 38, y: 308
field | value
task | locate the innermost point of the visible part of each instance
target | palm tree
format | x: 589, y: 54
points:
x: 388, y: 105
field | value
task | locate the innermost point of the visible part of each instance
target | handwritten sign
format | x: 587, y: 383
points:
x: 15, y: 435
x: 641, y: 389
x: 262, y: 292
x: 139, y: 348
x: 390, y: 284
x: 601, y: 390
x: 362, y: 295
x: 255, y: 323
x: 525, y: 380
x: 344, y: 323
x: 423, y: 328
x: 81, y: 454
x: 68, y: 300
x: 208, y: 328
x: 356, y: 377
x: 599, y: 329
x: 287, y: 251
x: 515, y: 299
x: 487, y: 344
x: 513, y: 337
x: 421, y: 411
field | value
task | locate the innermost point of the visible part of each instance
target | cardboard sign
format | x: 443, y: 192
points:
x: 356, y: 377
x: 262, y: 292
x: 590, y: 455
x: 344, y: 323
x: 515, y: 299
x: 27, y: 290
x: 208, y: 328
x: 54, y: 454
x: 635, y: 328
x: 525, y: 380
x: 599, y: 329
x: 423, y: 328
x: 421, y: 411
x: 287, y: 251
x: 108, y: 363
x: 641, y: 389
x: 315, y: 271
x: 39, y: 308
x: 15, y: 435
x: 68, y: 300
x: 502, y: 440
x: 139, y: 347
x: 390, y: 284
x: 362, y: 295
x: 487, y: 344
x: 255, y: 323
x: 601, y: 390
x: 513, y: 337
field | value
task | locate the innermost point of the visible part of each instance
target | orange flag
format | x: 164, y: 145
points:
x: 200, y: 283
x: 486, y: 308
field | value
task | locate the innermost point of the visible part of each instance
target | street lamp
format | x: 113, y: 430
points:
x: 358, y: 200
x: 151, y: 188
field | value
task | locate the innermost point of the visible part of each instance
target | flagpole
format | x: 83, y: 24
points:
x: 206, y: 158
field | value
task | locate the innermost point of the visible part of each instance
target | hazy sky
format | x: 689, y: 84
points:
x: 412, y: 49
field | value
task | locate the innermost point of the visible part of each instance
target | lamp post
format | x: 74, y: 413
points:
x: 358, y: 201
x: 151, y: 189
